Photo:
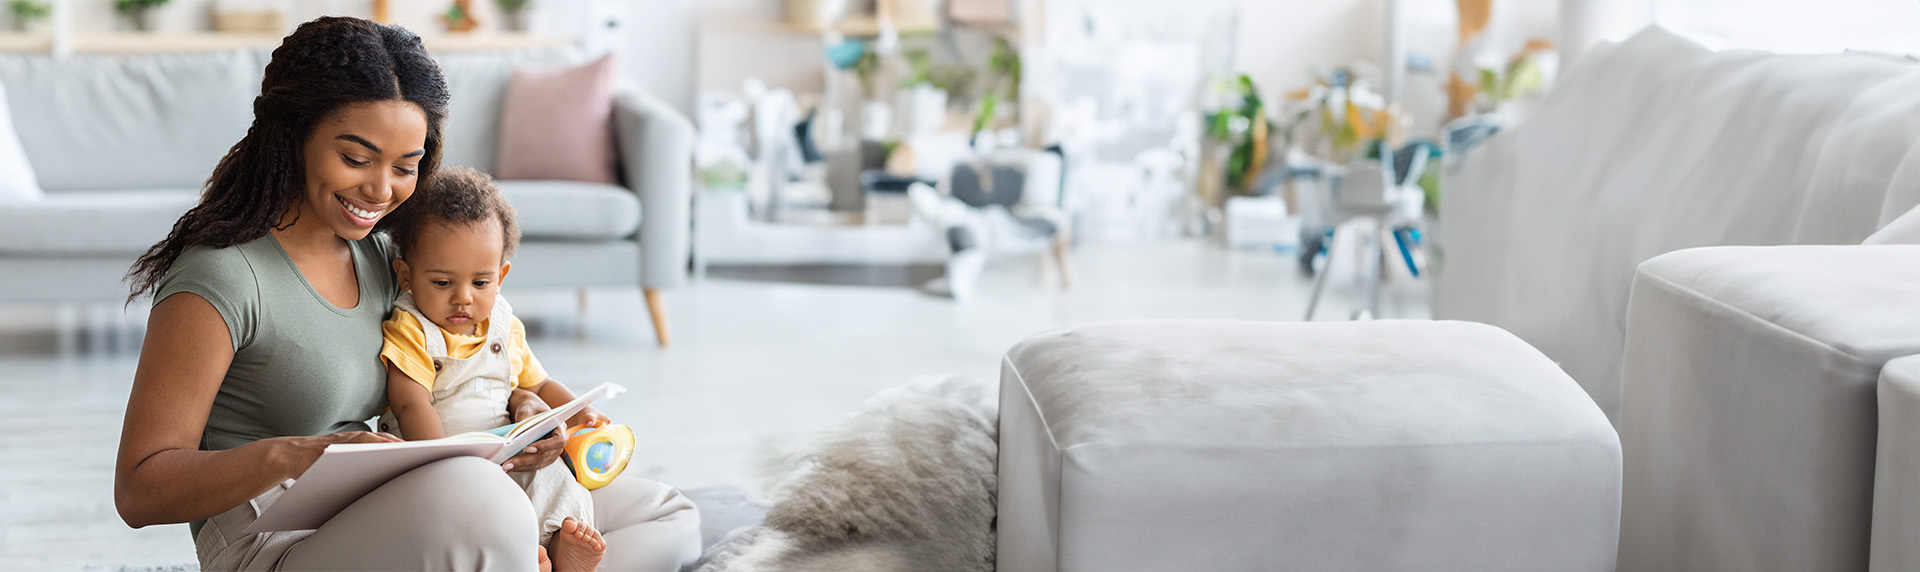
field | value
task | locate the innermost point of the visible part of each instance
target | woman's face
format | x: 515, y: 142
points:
x: 361, y: 163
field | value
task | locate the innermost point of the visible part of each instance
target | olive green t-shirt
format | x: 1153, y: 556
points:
x: 301, y: 366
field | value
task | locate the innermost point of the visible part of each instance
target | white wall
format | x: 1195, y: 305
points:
x: 1796, y: 26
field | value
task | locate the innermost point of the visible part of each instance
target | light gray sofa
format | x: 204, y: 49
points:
x: 1682, y: 229
x: 122, y: 144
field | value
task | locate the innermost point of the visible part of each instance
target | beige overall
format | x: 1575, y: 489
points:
x: 470, y: 395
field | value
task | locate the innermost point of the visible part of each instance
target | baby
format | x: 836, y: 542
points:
x: 454, y: 351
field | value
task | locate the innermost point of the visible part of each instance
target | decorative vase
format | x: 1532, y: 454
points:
x: 925, y: 108
x: 876, y: 119
x: 517, y: 21
x: 140, y: 18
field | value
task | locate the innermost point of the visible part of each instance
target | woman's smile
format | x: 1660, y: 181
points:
x: 360, y: 213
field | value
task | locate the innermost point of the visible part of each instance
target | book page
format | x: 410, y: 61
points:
x: 348, y: 471
x: 533, y: 428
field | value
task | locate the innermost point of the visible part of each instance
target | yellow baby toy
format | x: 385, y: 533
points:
x: 598, y: 454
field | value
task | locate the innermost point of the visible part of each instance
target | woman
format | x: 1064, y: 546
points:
x: 263, y: 341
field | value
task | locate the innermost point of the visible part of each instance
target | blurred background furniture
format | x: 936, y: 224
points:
x: 1381, y: 201
x: 1007, y: 200
x: 121, y: 145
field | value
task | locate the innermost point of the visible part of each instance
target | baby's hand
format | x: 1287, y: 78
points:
x: 589, y: 417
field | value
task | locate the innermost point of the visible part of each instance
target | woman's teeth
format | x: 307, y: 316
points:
x: 365, y: 214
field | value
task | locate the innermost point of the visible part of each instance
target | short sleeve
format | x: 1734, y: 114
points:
x: 379, y: 252
x: 405, y: 348
x: 529, y: 371
x: 224, y: 277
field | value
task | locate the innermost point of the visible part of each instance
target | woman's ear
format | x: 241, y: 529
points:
x: 402, y: 274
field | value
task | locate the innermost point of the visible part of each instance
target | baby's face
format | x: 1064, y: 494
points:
x: 454, y: 273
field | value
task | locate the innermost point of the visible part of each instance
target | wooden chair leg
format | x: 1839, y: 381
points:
x: 1060, y: 259
x: 580, y: 315
x: 657, y: 308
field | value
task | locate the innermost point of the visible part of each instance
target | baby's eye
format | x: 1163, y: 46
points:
x: 480, y: 283
x: 442, y: 283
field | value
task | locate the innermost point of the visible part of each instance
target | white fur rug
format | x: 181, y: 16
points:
x: 905, y: 485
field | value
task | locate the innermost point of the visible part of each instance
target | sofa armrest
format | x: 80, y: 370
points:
x: 1896, y: 478
x: 1748, y: 394
x: 656, y: 156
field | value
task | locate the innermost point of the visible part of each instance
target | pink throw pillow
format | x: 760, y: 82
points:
x: 557, y: 124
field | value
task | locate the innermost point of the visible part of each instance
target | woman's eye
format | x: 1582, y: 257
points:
x: 351, y: 161
x: 407, y: 171
x: 442, y: 283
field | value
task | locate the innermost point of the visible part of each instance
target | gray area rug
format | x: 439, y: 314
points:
x: 905, y: 485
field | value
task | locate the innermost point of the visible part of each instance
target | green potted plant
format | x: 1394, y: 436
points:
x: 139, y: 13
x: 1003, y: 83
x: 27, y: 14
x: 514, y: 14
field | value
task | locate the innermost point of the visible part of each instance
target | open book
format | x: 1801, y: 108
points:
x: 348, y: 471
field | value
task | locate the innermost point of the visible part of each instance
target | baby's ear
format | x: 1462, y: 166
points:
x: 504, y: 268
x: 402, y: 274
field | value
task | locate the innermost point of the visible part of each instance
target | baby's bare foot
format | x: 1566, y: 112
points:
x: 576, y: 547
x: 546, y: 564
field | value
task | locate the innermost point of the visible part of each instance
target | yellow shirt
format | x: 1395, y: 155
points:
x: 406, y: 349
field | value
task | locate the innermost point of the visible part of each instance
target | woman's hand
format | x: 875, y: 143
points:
x: 291, y: 456
x: 541, y: 453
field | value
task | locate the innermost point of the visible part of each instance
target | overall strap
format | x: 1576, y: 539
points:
x: 436, y: 340
x: 500, y: 322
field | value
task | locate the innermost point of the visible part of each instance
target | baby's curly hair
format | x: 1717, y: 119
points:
x: 457, y: 195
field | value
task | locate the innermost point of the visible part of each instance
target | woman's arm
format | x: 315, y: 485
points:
x: 413, y: 405
x: 161, y: 476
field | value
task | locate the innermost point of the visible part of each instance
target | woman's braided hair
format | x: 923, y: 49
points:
x: 324, y: 66
x: 459, y: 196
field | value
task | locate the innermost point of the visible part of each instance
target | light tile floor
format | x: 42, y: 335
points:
x: 756, y: 361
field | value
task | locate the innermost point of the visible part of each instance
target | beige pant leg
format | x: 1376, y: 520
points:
x: 457, y: 514
x: 649, y: 526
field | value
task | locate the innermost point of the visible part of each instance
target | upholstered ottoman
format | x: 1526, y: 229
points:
x: 1225, y: 445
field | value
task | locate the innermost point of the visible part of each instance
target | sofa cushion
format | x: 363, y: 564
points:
x: 557, y: 123
x: 160, y: 121
x: 572, y: 210
x: 477, y: 82
x: 17, y: 181
x: 92, y: 222
x: 1903, y: 230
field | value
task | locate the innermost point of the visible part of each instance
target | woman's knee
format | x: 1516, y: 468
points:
x: 469, y: 498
